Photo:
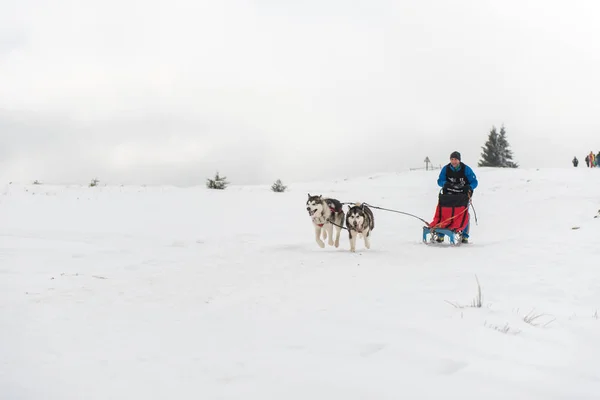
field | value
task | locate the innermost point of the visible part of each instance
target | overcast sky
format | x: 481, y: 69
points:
x: 168, y: 92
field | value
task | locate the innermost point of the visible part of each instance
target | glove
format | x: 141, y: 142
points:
x: 469, y: 190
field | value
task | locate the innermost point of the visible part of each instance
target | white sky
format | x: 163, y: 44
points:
x: 155, y: 92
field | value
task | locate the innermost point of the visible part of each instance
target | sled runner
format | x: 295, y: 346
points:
x: 451, y: 218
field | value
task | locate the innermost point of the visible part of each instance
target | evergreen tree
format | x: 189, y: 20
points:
x: 278, y: 186
x: 505, y: 153
x: 491, y: 156
x: 220, y: 182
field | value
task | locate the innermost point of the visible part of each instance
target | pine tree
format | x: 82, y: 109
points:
x: 496, y: 152
x: 505, y: 153
x: 491, y: 156
x: 278, y: 186
x: 220, y: 182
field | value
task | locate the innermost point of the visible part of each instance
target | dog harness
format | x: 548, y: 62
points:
x: 332, y: 212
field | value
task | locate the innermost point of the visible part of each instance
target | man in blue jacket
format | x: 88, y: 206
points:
x: 457, y: 177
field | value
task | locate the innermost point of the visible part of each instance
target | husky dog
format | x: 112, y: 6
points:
x: 359, y: 221
x: 325, y: 214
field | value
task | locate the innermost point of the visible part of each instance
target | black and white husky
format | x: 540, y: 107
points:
x: 325, y: 214
x: 360, y: 222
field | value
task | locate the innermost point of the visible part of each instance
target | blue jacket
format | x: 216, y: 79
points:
x: 470, y: 175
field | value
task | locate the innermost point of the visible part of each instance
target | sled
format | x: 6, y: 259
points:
x: 450, y: 219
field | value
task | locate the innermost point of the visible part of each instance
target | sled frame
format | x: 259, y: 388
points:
x: 455, y: 236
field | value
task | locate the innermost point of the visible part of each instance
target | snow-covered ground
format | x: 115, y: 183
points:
x: 187, y: 293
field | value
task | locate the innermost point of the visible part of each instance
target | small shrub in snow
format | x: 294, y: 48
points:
x: 220, y: 182
x: 532, y: 319
x: 36, y: 182
x: 278, y: 187
x: 506, y: 329
x: 477, y: 301
x: 94, y: 182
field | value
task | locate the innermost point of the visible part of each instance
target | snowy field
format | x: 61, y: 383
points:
x: 186, y: 293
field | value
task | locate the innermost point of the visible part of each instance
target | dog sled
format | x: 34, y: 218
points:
x: 451, y: 218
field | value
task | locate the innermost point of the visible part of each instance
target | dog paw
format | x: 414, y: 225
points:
x: 321, y: 244
x: 337, y: 244
x: 330, y: 243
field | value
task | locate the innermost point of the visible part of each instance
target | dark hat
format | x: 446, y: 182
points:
x: 455, y: 154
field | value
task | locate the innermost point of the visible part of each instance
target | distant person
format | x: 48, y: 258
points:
x: 592, y: 160
x: 587, y: 161
x: 575, y: 162
x: 457, y: 177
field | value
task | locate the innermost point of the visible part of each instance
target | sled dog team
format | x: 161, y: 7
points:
x: 328, y: 215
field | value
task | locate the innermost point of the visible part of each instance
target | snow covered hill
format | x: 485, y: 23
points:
x: 187, y: 293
